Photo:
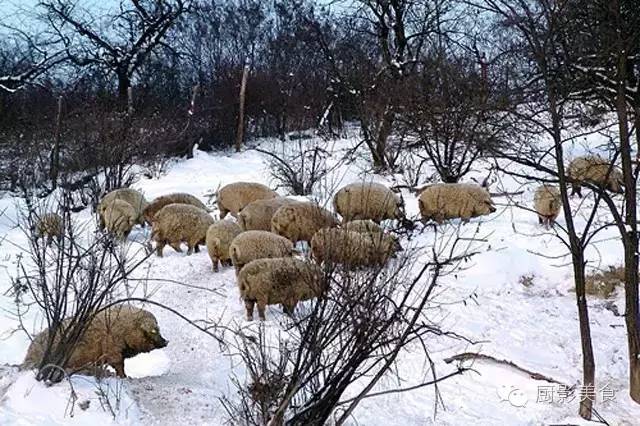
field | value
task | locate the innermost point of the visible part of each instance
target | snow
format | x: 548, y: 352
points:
x: 534, y: 326
x: 29, y: 402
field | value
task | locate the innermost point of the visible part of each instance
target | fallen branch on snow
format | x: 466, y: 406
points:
x: 536, y: 376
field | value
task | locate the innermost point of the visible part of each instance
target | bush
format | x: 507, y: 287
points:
x: 353, y: 333
x: 70, y: 281
x: 454, y: 115
x: 299, y: 165
x: 604, y: 283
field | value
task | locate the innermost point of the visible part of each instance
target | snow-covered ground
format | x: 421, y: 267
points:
x: 535, y: 326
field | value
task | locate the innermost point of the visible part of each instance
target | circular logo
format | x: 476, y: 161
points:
x: 513, y: 395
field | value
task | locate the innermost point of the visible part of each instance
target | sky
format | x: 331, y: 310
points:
x: 22, y: 13
x: 13, y: 12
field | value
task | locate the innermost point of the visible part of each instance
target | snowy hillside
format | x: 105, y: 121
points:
x: 513, y: 301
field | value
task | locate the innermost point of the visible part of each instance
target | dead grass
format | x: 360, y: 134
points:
x: 604, y: 283
x: 527, y: 280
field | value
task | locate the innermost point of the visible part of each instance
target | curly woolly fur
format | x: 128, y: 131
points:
x: 596, y: 170
x: 350, y: 248
x: 362, y: 225
x: 176, y: 223
x: 374, y: 232
x: 367, y: 200
x: 547, y: 203
x: 443, y: 201
x: 282, y: 280
x: 300, y: 221
x: 49, y: 226
x: 112, y: 335
x: 252, y: 245
x: 119, y: 218
x: 234, y: 197
x: 257, y: 215
x: 219, y: 237
x: 176, y: 198
x: 131, y: 196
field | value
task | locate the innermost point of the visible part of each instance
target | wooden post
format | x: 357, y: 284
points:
x: 192, y: 110
x: 194, y: 95
x: 55, y: 152
x: 243, y: 90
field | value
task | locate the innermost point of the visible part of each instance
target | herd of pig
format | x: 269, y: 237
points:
x: 260, y: 242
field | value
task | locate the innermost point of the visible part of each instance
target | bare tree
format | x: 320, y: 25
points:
x: 392, y: 35
x: 607, y: 63
x: 536, y: 31
x: 16, y: 80
x: 119, y: 42
x: 402, y: 28
x: 27, y: 60
x: 101, y: 157
x: 453, y: 114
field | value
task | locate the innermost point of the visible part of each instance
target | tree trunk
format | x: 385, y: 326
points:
x: 588, y: 362
x: 447, y: 178
x: 368, y: 137
x: 630, y: 241
x: 384, y: 131
x: 55, y: 152
x: 124, y: 83
x: 637, y: 130
x: 577, y: 258
x: 243, y: 90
